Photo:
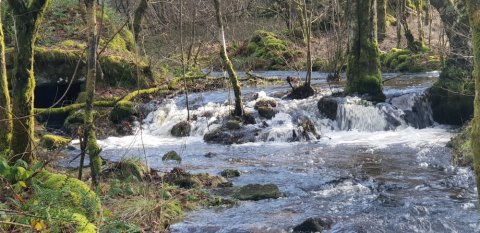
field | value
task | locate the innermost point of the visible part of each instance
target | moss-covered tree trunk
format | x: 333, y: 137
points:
x: 421, y: 33
x: 138, y: 17
x: 381, y: 19
x: 28, y: 16
x: 363, y: 71
x: 452, y: 95
x: 400, y: 4
x: 223, y: 53
x: 90, y: 138
x: 474, y: 13
x: 5, y: 105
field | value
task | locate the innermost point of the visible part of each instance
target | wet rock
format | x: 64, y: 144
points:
x: 210, y: 155
x: 230, y: 173
x: 302, y: 92
x: 233, y: 125
x: 249, y: 119
x: 172, y: 156
x: 314, y: 225
x: 225, y: 136
x: 267, y: 112
x: 309, y: 132
x: 328, y: 106
x: 255, y: 192
x: 181, y: 129
x: 183, y: 179
x: 265, y: 103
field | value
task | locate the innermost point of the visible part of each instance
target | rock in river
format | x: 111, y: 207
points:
x: 256, y: 192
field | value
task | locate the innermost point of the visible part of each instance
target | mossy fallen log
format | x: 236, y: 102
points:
x: 102, y: 103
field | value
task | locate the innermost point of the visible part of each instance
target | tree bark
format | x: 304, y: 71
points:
x: 363, y: 71
x: 90, y: 139
x: 5, y: 109
x: 474, y: 14
x: 138, y: 17
x: 457, y: 28
x: 421, y: 32
x: 28, y: 16
x: 381, y: 19
x: 223, y: 53
x: 399, y: 9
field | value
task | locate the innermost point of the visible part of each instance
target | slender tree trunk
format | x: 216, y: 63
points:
x: 308, y: 33
x: 457, y: 28
x: 90, y: 138
x: 5, y: 109
x: 474, y: 13
x: 421, y: 32
x: 363, y: 71
x: 138, y: 17
x: 28, y: 16
x: 223, y: 53
x: 399, y: 8
x: 381, y: 19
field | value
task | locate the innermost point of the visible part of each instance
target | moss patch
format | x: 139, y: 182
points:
x: 401, y: 60
x: 123, y: 111
x: 53, y: 142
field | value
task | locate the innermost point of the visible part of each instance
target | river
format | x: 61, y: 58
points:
x: 367, y: 172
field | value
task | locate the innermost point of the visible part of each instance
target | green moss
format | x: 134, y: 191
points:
x: 53, y: 142
x: 400, y: 60
x: 462, y: 147
x: 172, y: 156
x: 266, y: 50
x: 129, y: 168
x: 69, y: 202
x: 123, y: 110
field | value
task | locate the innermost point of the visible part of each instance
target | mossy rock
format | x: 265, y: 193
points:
x: 267, y: 51
x: 129, y: 168
x: 53, y: 142
x: 451, y: 97
x: 181, y: 129
x: 230, y: 173
x: 256, y: 192
x: 123, y: 111
x: 69, y: 201
x: 461, y: 147
x: 73, y: 121
x: 233, y: 125
x: 265, y: 103
x: 172, y: 156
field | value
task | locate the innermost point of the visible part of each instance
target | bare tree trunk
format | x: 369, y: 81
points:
x: 28, y: 16
x: 5, y: 109
x: 90, y: 138
x: 363, y: 71
x: 223, y: 53
x: 183, y: 61
x: 308, y: 33
x: 474, y: 13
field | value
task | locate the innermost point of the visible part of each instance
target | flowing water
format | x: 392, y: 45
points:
x: 376, y: 168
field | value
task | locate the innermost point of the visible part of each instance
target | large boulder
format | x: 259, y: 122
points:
x: 266, y: 108
x: 314, y: 225
x: 328, y: 106
x: 181, y: 129
x: 256, y: 192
